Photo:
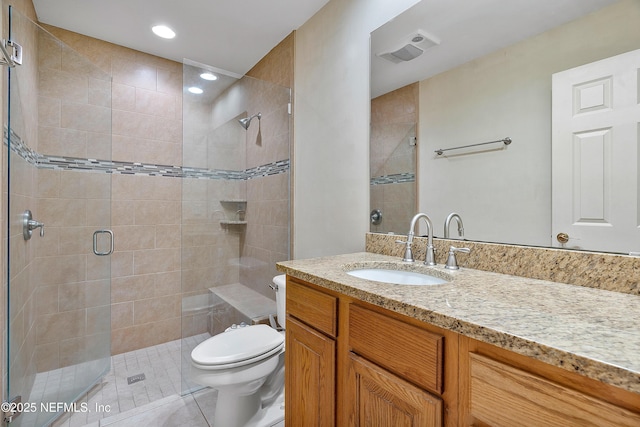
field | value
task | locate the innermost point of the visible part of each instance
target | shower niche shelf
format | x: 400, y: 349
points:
x: 228, y: 222
x: 234, y: 201
x: 235, y: 211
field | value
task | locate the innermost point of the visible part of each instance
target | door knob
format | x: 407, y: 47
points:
x: 562, y: 238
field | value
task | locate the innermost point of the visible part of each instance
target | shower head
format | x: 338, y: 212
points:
x: 246, y: 121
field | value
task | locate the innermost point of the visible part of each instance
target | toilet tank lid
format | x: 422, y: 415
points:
x: 236, y: 345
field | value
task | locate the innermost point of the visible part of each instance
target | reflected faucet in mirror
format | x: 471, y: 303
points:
x: 430, y: 257
x: 447, y: 225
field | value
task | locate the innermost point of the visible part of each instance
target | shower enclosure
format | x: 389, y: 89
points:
x: 229, y: 199
x: 58, y: 138
x: 236, y: 203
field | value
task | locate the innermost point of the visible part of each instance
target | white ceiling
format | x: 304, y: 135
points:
x: 466, y: 29
x: 232, y: 35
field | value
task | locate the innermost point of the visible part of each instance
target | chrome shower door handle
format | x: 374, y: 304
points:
x: 95, y: 242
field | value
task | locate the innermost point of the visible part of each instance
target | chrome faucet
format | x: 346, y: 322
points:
x: 447, y: 225
x: 430, y: 257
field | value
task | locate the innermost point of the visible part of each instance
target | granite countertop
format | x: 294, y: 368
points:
x: 590, y: 331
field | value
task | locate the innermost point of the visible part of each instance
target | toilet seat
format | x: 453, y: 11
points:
x: 237, y: 347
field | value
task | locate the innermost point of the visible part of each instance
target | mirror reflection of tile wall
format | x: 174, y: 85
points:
x: 393, y: 158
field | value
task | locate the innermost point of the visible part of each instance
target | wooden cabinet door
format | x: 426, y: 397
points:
x: 381, y: 399
x: 310, y: 360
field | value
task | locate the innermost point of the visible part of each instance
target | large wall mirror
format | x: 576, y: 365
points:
x: 471, y: 72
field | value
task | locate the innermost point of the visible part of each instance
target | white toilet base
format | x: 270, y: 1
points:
x: 244, y: 411
x: 235, y: 411
x: 269, y: 416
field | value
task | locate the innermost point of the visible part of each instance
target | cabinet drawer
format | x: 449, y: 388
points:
x: 406, y: 350
x: 503, y: 395
x: 313, y: 307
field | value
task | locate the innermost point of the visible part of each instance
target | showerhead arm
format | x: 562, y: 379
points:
x: 246, y: 121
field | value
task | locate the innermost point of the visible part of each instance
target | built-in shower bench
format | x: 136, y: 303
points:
x: 250, y: 306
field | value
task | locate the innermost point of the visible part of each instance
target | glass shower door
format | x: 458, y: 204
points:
x: 235, y: 204
x: 58, y: 279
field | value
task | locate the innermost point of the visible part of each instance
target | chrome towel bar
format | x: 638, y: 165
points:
x: 505, y: 141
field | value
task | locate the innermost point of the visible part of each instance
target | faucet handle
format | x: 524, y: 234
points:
x: 408, y: 253
x: 452, y: 262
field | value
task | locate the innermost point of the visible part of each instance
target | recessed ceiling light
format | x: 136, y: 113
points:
x: 195, y: 90
x: 163, y: 31
x: 209, y: 76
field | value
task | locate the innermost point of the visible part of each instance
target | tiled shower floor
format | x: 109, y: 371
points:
x: 121, y: 404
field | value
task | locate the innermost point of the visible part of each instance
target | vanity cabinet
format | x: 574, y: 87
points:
x: 501, y: 388
x: 349, y: 363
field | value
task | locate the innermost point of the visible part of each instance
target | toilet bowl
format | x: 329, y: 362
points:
x: 246, y: 365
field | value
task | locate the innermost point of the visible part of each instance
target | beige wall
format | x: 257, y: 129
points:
x: 331, y: 149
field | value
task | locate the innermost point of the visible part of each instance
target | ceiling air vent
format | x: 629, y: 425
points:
x: 405, y: 53
x: 412, y: 46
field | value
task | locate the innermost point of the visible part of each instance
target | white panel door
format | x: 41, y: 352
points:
x: 595, y: 116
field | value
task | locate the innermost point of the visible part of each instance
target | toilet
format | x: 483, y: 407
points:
x: 246, y: 365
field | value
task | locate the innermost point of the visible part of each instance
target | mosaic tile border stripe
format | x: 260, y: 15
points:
x: 133, y: 168
x: 397, y: 178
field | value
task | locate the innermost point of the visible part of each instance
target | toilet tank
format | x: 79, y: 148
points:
x: 280, y: 283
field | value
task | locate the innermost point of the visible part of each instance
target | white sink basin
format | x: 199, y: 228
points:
x: 398, y: 277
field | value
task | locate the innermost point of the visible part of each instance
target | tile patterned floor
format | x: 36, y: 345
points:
x: 155, y: 401
x: 113, y: 398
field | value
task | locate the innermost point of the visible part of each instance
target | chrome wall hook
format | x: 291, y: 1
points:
x: 29, y: 224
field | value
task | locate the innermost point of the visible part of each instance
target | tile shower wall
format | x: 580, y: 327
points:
x: 394, y: 118
x: 268, y: 203
x: 235, y: 230
x: 208, y: 248
x: 150, y: 99
x: 149, y: 213
x: 72, y: 287
x: 146, y: 210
